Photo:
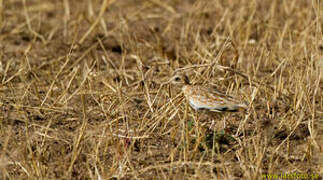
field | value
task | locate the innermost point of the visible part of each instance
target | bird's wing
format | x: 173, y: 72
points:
x: 217, y: 101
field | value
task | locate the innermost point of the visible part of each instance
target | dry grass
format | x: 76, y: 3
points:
x: 82, y: 93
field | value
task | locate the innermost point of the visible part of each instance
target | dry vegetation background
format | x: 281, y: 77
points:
x: 82, y: 93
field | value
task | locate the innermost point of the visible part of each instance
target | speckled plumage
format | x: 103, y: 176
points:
x: 200, y: 97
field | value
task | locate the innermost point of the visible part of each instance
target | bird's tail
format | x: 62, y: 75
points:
x: 229, y: 108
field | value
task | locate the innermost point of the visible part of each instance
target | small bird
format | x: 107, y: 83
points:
x: 202, y: 98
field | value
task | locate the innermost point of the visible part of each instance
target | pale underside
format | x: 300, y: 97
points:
x: 202, y: 98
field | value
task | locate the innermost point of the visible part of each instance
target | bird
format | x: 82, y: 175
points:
x: 203, y: 98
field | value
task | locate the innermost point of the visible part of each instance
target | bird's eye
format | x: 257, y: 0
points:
x: 177, y: 78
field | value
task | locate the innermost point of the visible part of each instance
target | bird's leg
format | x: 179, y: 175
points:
x: 213, y: 120
x: 196, y: 122
x: 224, y: 122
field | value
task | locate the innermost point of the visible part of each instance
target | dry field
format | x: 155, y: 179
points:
x: 83, y: 92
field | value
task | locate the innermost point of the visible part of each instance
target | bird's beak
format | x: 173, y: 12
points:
x: 168, y: 82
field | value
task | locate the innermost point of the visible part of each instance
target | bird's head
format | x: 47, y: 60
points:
x: 179, y: 79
